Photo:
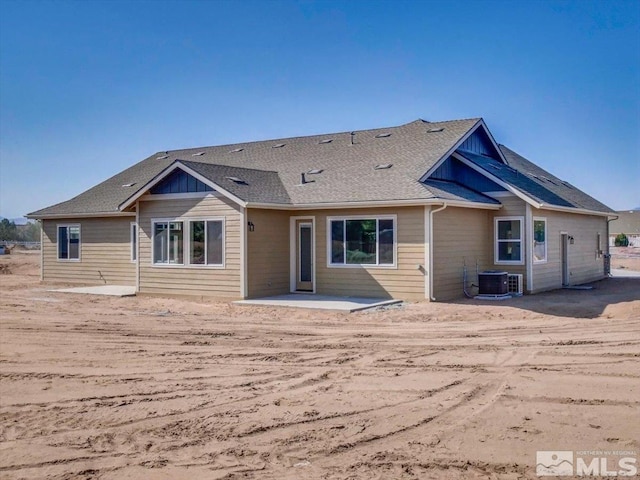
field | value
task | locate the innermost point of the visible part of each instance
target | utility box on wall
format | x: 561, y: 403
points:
x: 493, y: 282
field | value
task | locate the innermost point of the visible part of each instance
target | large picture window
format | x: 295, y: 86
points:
x: 539, y: 240
x: 206, y: 242
x: 68, y: 242
x: 362, y: 241
x: 508, y: 240
x: 168, y: 243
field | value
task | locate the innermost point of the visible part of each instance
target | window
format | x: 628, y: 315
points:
x: 68, y: 242
x: 508, y: 240
x: 134, y: 242
x: 168, y: 243
x: 362, y: 241
x: 206, y: 242
x: 539, y: 240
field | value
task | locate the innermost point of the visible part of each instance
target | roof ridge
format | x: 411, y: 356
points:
x: 346, y: 132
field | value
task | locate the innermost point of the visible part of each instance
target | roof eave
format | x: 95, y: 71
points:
x: 374, y: 203
x: 53, y: 216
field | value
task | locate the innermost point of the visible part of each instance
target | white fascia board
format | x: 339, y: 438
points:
x: 177, y: 165
x: 581, y: 211
x: 372, y: 204
x: 495, y: 179
x: 493, y: 142
x: 450, y: 151
x: 81, y: 215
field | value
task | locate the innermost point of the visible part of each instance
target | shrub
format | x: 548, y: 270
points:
x: 621, y: 240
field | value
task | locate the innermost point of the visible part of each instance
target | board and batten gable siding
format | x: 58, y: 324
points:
x: 199, y: 281
x: 405, y: 282
x: 105, y: 252
x: 585, y: 264
x: 268, y: 252
x: 461, y: 236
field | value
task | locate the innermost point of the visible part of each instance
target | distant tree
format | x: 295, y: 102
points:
x: 621, y: 240
x: 29, y: 232
x: 8, y: 230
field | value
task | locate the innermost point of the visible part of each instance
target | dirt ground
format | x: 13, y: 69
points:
x: 124, y: 388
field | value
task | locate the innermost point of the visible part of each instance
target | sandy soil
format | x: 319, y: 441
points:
x: 123, y: 388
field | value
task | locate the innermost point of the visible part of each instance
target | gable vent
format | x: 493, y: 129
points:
x: 279, y: 145
x: 237, y: 180
x: 383, y: 135
x: 435, y: 130
x: 236, y: 150
x: 326, y: 140
x: 383, y: 166
x: 199, y: 154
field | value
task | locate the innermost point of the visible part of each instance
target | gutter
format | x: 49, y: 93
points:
x: 582, y: 211
x: 54, y: 216
x: 444, y: 205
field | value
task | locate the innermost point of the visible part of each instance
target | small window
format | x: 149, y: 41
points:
x: 134, y: 242
x: 168, y: 243
x: 539, y: 240
x: 508, y: 240
x: 68, y: 242
x: 362, y: 241
x: 206, y: 242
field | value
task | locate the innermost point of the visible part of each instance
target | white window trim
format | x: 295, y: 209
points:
x: 496, y: 242
x: 67, y: 225
x: 186, y: 250
x: 394, y: 265
x: 133, y: 227
x: 546, y: 240
x: 218, y: 266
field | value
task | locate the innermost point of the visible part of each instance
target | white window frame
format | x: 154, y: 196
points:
x: 133, y: 239
x: 155, y: 221
x: 186, y: 247
x: 393, y: 265
x: 188, y: 242
x: 496, y: 241
x: 67, y: 226
x: 546, y: 240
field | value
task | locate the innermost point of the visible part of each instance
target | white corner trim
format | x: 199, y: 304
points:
x: 528, y: 229
x: 427, y: 251
x: 244, y: 285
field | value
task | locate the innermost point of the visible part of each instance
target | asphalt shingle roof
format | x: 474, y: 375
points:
x: 348, y: 170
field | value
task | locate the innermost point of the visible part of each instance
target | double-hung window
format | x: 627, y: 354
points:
x: 168, y: 243
x: 206, y: 242
x: 68, y: 242
x: 362, y: 241
x: 539, y: 240
x: 508, y: 240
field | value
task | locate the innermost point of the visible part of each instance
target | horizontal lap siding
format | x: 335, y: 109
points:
x: 461, y: 236
x: 585, y: 264
x: 105, y: 252
x: 268, y: 252
x: 404, y: 282
x: 182, y: 280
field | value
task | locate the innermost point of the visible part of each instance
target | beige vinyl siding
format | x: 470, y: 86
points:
x: 105, y: 252
x: 185, y: 280
x: 461, y: 236
x: 404, y: 282
x: 585, y: 264
x: 268, y: 252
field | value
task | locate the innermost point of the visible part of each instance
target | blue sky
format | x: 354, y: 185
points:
x: 89, y: 88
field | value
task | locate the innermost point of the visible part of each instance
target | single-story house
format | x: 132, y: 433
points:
x: 409, y: 212
x: 627, y: 222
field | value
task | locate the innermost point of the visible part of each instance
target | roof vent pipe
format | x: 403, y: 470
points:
x: 303, y: 179
x: 353, y: 134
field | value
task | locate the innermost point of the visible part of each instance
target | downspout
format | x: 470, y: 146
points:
x: 41, y: 221
x: 444, y: 205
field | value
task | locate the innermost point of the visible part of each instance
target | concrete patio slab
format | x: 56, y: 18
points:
x: 112, y: 290
x: 319, y: 302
